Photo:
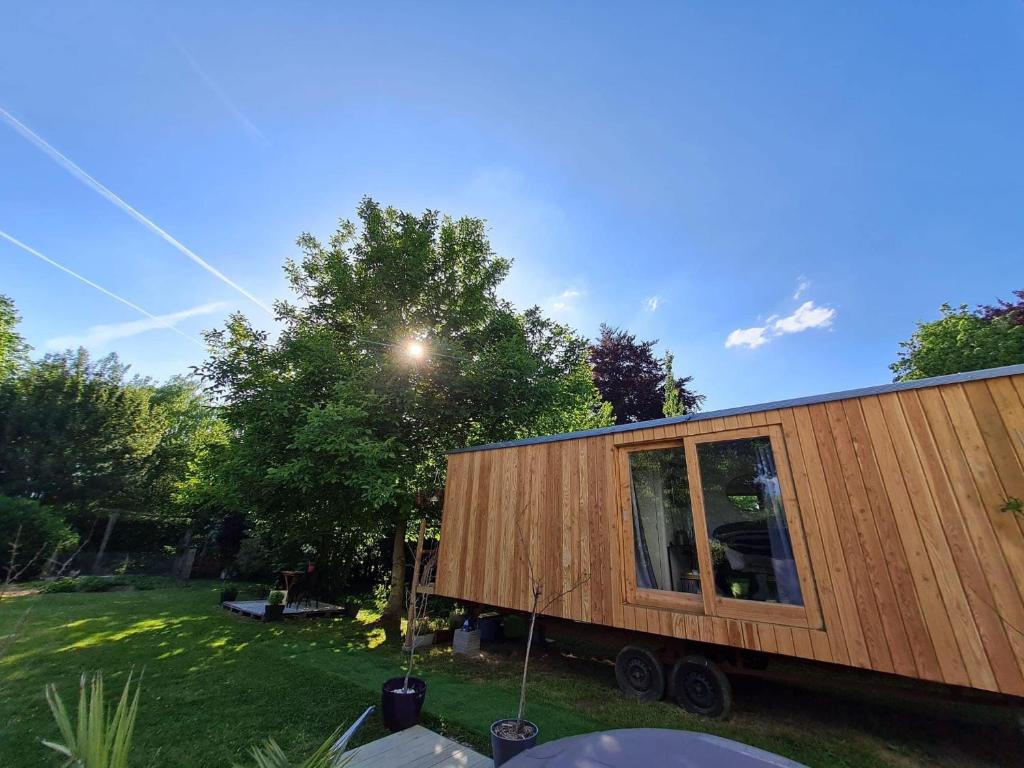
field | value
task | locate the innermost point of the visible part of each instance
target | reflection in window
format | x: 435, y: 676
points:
x: 750, y: 547
x: 664, y: 546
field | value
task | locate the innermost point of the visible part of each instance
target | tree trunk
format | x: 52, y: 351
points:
x: 391, y: 619
x: 111, y: 522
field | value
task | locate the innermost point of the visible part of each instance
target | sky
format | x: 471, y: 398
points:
x: 777, y: 192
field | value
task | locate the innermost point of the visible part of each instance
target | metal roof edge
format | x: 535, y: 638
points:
x: 899, y: 386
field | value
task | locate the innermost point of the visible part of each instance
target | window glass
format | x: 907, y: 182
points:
x: 664, y: 546
x: 751, y: 552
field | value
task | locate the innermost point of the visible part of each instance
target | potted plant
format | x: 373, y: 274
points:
x: 513, y: 735
x: 444, y: 631
x: 274, y: 609
x: 228, y: 593
x: 401, y: 698
x: 739, y: 587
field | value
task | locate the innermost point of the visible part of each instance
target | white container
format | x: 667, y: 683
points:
x: 466, y: 642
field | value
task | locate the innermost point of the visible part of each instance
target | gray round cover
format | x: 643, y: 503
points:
x: 648, y: 748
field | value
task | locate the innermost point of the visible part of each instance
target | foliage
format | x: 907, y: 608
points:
x: 95, y: 741
x: 276, y: 597
x: 192, y: 437
x: 13, y: 349
x: 340, y: 435
x: 631, y: 377
x: 670, y: 405
x: 40, y: 531
x: 104, y: 583
x: 76, y: 433
x: 1013, y: 505
x: 961, y: 340
x: 252, y: 560
x: 270, y: 755
x: 1011, y: 311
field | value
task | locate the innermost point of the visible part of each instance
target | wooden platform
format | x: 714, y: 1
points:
x: 416, y: 747
x: 254, y: 609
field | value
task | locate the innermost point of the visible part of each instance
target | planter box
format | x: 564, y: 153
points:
x: 466, y: 642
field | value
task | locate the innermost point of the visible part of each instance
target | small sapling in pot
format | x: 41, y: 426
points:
x: 401, y: 698
x: 513, y: 735
x: 274, y: 609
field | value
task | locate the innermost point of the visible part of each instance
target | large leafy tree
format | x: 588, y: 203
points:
x: 13, y: 349
x: 396, y: 350
x: 631, y: 377
x: 962, y: 340
x: 75, y: 432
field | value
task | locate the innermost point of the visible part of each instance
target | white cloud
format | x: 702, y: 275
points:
x: 652, y: 303
x: 566, y: 300
x: 801, y: 286
x: 806, y: 316
x: 100, y: 335
x: 747, y: 337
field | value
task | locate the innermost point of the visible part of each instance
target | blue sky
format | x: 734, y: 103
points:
x: 776, y: 191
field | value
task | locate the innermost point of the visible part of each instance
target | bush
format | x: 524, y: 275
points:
x: 66, y: 584
x: 252, y: 560
x: 276, y: 597
x: 105, y: 583
x: 42, y: 530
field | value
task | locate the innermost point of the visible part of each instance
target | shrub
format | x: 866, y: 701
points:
x: 276, y: 597
x: 252, y: 560
x: 66, y: 584
x: 42, y: 530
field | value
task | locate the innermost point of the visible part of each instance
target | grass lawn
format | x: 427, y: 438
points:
x: 215, y: 683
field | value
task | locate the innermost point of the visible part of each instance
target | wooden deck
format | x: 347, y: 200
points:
x: 254, y: 609
x: 416, y: 747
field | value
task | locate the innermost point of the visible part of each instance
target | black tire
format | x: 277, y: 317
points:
x: 699, y: 686
x: 640, y: 674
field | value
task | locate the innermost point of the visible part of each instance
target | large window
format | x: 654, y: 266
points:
x: 709, y: 522
x: 664, y: 543
x: 751, y: 551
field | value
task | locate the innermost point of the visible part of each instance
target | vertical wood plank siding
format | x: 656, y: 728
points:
x: 916, y: 569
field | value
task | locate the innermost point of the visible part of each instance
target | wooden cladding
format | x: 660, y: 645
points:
x: 909, y: 565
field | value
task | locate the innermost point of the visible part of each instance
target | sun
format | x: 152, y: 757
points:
x: 415, y: 350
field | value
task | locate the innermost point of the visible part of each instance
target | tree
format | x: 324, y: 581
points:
x: 76, y: 433
x: 961, y: 340
x: 1014, y: 312
x: 631, y: 377
x: 396, y: 351
x: 13, y: 349
x: 671, y: 406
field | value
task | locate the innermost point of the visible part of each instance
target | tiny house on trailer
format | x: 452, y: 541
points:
x: 874, y: 528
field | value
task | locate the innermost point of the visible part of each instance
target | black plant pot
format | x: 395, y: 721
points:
x: 504, y: 748
x: 273, y: 612
x: 228, y: 595
x: 401, y: 710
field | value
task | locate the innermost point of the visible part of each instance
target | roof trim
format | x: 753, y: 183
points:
x: 934, y: 381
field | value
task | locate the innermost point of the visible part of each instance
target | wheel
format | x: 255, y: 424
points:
x: 640, y: 674
x: 700, y: 687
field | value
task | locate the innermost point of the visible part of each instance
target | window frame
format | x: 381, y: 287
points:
x: 708, y: 602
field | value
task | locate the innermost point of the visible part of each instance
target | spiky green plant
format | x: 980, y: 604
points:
x: 95, y: 741
x: 270, y: 755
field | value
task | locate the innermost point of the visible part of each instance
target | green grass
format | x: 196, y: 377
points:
x: 215, y: 683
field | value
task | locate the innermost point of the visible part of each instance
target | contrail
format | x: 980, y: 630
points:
x: 98, y: 287
x: 69, y: 165
x: 220, y: 94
